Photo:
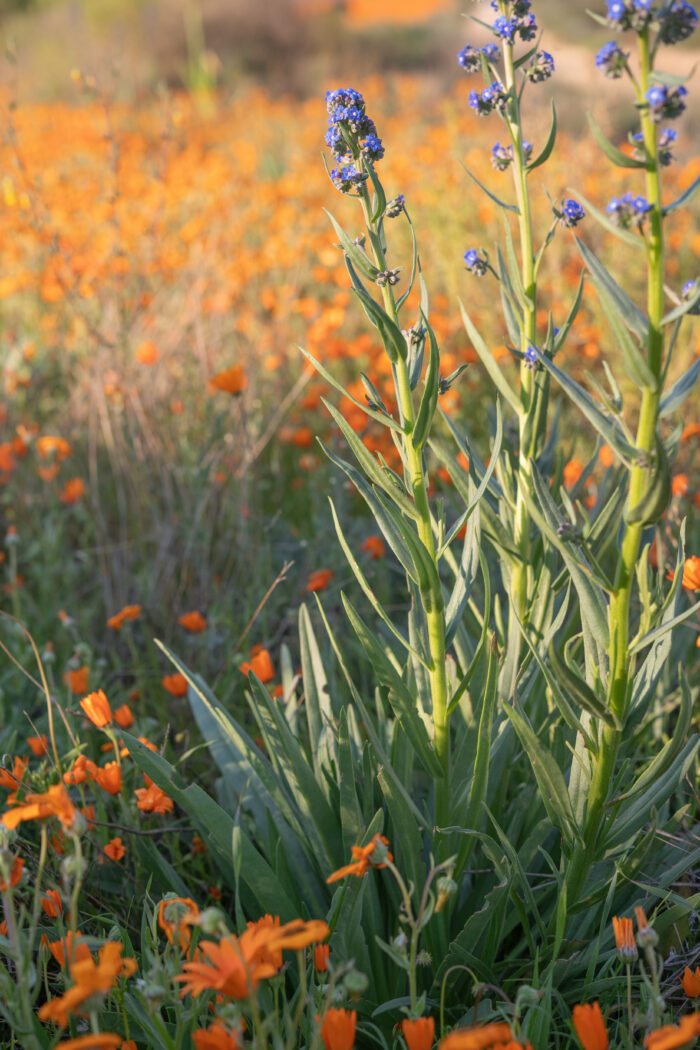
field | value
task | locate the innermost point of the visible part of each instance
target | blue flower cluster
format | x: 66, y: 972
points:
x: 541, y: 67
x: 665, y: 103
x: 612, y: 59
x: 571, y: 213
x: 676, y: 19
x: 531, y: 357
x: 666, y: 141
x: 508, y: 28
x: 347, y: 178
x: 469, y: 57
x: 475, y: 262
x: 351, y: 134
x: 493, y: 97
x: 395, y: 207
x: 688, y: 291
x: 519, y: 8
x: 502, y: 156
x: 628, y: 210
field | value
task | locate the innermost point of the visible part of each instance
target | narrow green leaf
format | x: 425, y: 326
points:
x: 387, y: 421
x: 684, y: 198
x: 369, y: 593
x: 549, y: 144
x: 680, y: 390
x: 668, y: 754
x: 617, y: 156
x: 483, y: 485
x: 579, y: 690
x: 360, y: 260
x: 489, y: 362
x: 550, y: 780
x: 633, y: 317
x: 319, y: 711
x: 500, y: 203
x: 560, y: 337
x: 392, y: 338
x: 659, y: 632
x: 415, y: 264
x: 465, y: 577
x: 426, y: 409
x: 401, y: 700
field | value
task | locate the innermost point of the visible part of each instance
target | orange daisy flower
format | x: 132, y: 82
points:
x: 375, y: 546
x: 38, y: 745
x: 176, y: 684
x: 193, y: 622
x: 363, y: 859
x: 175, y: 915
x: 483, y: 1038
x: 101, y: 1041
x: 124, y: 717
x: 322, y: 953
x: 319, y: 580
x: 260, y: 664
x: 215, y: 1037
x: 419, y: 1034
x: 129, y: 612
x: 691, y: 982
x: 53, y: 803
x: 73, y: 491
x: 590, y: 1027
x: 78, y: 680
x: 15, y: 874
x: 51, y: 904
x: 338, y: 1029
x: 672, y: 1037
x: 96, y: 707
x: 63, y: 949
x: 110, y: 778
x: 115, y: 849
x: 91, y: 979
x: 231, y: 380
x: 624, y: 939
x: 152, y: 799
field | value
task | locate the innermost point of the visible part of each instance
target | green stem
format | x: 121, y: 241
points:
x: 418, y: 482
x: 620, y: 660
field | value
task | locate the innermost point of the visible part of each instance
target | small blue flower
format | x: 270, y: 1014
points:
x: 527, y: 28
x: 469, y: 59
x: 372, y: 148
x: 517, y: 7
x: 475, y: 262
x: 492, y: 52
x: 395, y: 207
x: 347, y: 178
x: 505, y: 28
x: 571, y: 214
x: 631, y: 14
x: 541, y: 67
x: 628, y: 210
x: 688, y: 290
x: 612, y: 59
x: 494, y: 97
x: 666, y: 141
x: 680, y: 20
x: 665, y: 103
x: 502, y: 156
x: 531, y: 357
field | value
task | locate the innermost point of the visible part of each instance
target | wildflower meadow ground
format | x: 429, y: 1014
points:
x: 349, y: 670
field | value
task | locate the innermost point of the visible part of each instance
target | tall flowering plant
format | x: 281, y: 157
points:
x: 499, y: 744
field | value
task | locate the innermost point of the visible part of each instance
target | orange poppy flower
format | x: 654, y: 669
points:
x: 109, y: 778
x: 53, y: 803
x: 152, y: 799
x: 56, y: 446
x: 96, y: 707
x: 375, y: 546
x: 91, y: 979
x: 590, y: 1027
x: 123, y: 716
x: 176, y: 684
x: 419, y: 1034
x: 38, y: 745
x: 52, y: 904
x: 487, y: 1036
x: 15, y: 874
x: 147, y: 353
x: 624, y: 939
x: 11, y: 781
x: 82, y: 769
x: 215, y: 1037
x: 691, y: 574
x: 193, y: 622
x: 322, y: 954
x: 129, y: 612
x: 363, y: 859
x: 691, y: 982
x: 73, y: 491
x: 260, y: 664
x: 232, y: 380
x: 175, y: 915
x: 338, y: 1029
x: 78, y: 680
x: 62, y: 950
x: 319, y: 580
x: 101, y: 1041
x: 679, y: 485
x: 115, y: 849
x: 234, y: 970
x: 671, y: 1036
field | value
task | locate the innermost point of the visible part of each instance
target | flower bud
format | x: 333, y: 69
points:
x: 446, y: 888
x: 356, y: 984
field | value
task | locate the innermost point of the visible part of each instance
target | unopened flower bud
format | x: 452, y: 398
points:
x: 423, y: 958
x: 212, y: 921
x: 356, y: 984
x: 526, y: 996
x: 446, y: 888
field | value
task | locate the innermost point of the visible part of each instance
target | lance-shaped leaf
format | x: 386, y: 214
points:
x: 549, y: 777
x: 549, y: 144
x: 668, y: 754
x: 387, y: 421
x: 608, y: 428
x: 465, y: 577
x: 500, y: 203
x: 578, y: 689
x: 634, y: 240
x: 369, y: 464
x: 560, y: 337
x: 627, y: 310
x: 685, y: 197
x: 680, y: 390
x: 622, y: 160
x: 369, y: 593
x: 480, y: 779
x: 393, y: 529
x: 426, y: 409
x: 489, y: 362
x: 513, y: 269
x: 473, y: 502
x: 360, y: 259
x: 319, y: 710
x: 379, y: 195
x: 415, y: 264
x: 392, y: 337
